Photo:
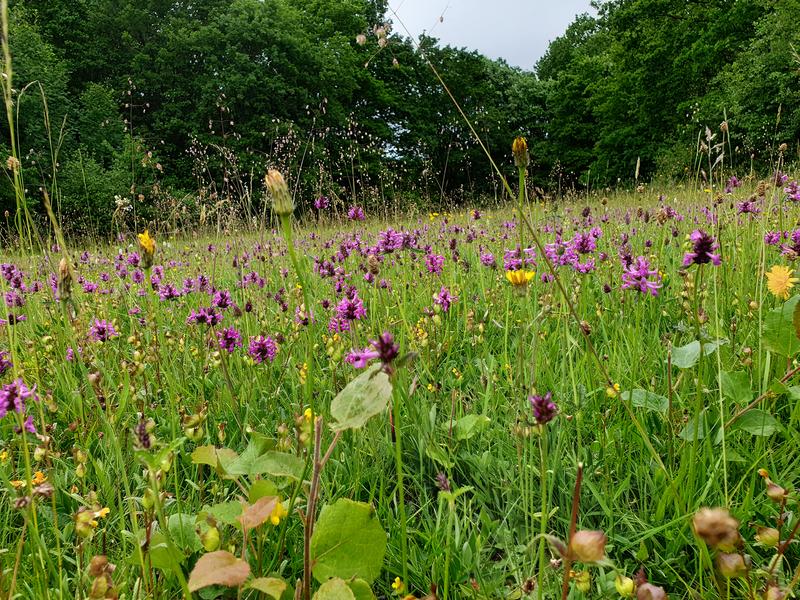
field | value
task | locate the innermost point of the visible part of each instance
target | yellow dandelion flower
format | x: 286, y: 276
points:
x: 780, y: 281
x: 613, y: 391
x: 147, y: 243
x: 39, y: 478
x: 519, y: 278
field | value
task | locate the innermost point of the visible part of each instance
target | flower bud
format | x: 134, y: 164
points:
x: 648, y: 591
x: 64, y: 280
x: 717, y: 528
x: 624, y: 586
x: 731, y: 566
x: 148, y: 247
x: 588, y: 546
x: 520, y: 151
x: 210, y: 539
x: 583, y: 581
x: 768, y: 536
x: 282, y: 202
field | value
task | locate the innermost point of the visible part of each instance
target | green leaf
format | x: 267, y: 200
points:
x: 243, y: 465
x: 361, y: 590
x: 780, y: 335
x: 261, y: 488
x: 647, y: 400
x: 685, y: 357
x: 688, y: 432
x: 205, y: 455
x: 278, y: 464
x: 736, y: 386
x: 756, y: 422
x: 335, y: 589
x: 468, y: 426
x: 796, y: 320
x: 182, y: 529
x: 162, y: 556
x: 271, y: 586
x: 361, y: 399
x: 348, y: 541
x: 227, y: 512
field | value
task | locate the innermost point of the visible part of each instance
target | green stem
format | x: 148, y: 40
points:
x: 401, y: 496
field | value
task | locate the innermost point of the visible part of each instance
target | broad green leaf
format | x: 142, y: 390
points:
x: 335, y: 589
x: 163, y: 557
x: 278, y: 464
x: 182, y: 529
x: 364, y: 397
x: 467, y: 426
x: 205, y: 455
x: 796, y: 320
x: 271, y: 586
x: 736, y: 386
x: 227, y: 512
x: 348, y: 541
x: 438, y: 454
x: 685, y: 357
x: 695, y: 425
x: 779, y: 331
x: 647, y: 400
x: 756, y: 422
x: 218, y: 568
x: 243, y: 465
x: 361, y: 590
x: 261, y: 488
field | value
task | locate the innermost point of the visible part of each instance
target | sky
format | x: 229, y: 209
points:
x: 516, y: 30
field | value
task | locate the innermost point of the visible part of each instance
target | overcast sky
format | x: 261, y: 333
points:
x: 516, y: 30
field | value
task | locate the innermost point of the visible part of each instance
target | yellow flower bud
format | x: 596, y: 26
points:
x: 624, y: 586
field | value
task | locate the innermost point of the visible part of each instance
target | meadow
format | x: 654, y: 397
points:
x: 591, y: 398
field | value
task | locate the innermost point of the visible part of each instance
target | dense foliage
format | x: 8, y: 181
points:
x: 176, y: 106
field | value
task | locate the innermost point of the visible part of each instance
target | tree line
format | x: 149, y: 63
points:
x: 176, y: 107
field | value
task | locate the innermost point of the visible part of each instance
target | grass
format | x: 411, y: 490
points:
x: 473, y: 458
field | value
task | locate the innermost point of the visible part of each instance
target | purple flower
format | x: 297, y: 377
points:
x: 386, y: 348
x: 229, y: 339
x: 360, y: 358
x: 772, y: 238
x: 13, y: 396
x: 793, y: 191
x: 444, y: 299
x: 5, y: 362
x: 262, y: 348
x: 733, y: 183
x: 640, y: 276
x: 544, y: 409
x: 702, y: 252
x: 204, y: 316
x: 487, y: 259
x: 321, y: 203
x: 356, y: 213
x: 351, y: 309
x: 102, y: 330
x: 434, y: 263
x: 222, y: 299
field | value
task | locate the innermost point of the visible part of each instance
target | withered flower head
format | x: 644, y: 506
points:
x: 717, y: 528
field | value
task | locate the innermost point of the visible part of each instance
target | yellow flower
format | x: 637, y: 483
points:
x: 780, y: 281
x: 147, y: 243
x: 102, y: 513
x: 278, y: 513
x: 613, y: 391
x: 39, y: 478
x: 3, y: 456
x: 308, y: 414
x: 398, y: 585
x: 520, y: 151
x: 625, y: 586
x: 16, y: 483
x: 519, y: 278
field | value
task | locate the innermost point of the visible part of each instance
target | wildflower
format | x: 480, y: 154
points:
x: 148, y: 247
x: 613, y: 390
x: 229, y: 339
x: 351, y: 309
x: 356, y: 213
x: 64, y: 280
x: 14, y: 395
x: 588, y: 546
x: 5, y: 362
x: 102, y: 330
x: 398, y: 586
x: 519, y: 148
x: 321, y: 203
x: 780, y: 281
x: 519, y: 278
x: 279, y: 512
x: 768, y: 536
x: 204, y: 316
x: 262, y: 348
x: 386, y: 348
x: 639, y: 276
x: 702, y: 252
x: 282, y: 202
x: 583, y: 580
x: 733, y: 183
x: 444, y: 299
x: 360, y: 358
x: 434, y: 263
x: 544, y: 409
x: 731, y: 566
x: 648, y: 591
x: 717, y: 528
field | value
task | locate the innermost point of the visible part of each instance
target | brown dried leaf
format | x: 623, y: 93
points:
x: 218, y: 568
x: 254, y: 515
